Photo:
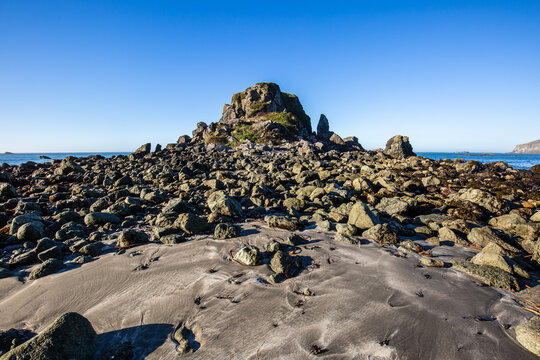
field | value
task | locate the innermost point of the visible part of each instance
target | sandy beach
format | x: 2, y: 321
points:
x: 367, y: 303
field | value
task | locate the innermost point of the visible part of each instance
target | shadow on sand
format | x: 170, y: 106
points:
x: 144, y: 339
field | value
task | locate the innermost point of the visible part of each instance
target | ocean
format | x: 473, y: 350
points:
x: 19, y: 158
x: 517, y: 161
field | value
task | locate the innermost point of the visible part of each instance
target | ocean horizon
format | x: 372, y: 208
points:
x: 517, y: 161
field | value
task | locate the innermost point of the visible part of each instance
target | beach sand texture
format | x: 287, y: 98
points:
x: 367, y: 303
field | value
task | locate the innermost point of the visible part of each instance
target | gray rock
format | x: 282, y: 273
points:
x: 26, y: 258
x: 226, y: 231
x: 296, y: 240
x: 92, y: 249
x: 336, y: 139
x: 490, y: 275
x: 223, y: 204
x: 430, y: 181
x: 392, y: 206
x: 362, y: 217
x: 528, y: 335
x: 536, y: 217
x: 248, y: 255
x: 191, y: 223
x: 172, y: 239
x: 53, y: 253
x: 20, y: 220
x: 30, y: 231
x: 481, y: 198
x: 132, y: 237
x: 447, y: 234
x: 71, y: 336
x: 142, y: 151
x: 346, y: 229
x: 46, y: 268
x: 67, y: 167
x: 382, y: 233
x: 7, y: 190
x: 508, y: 221
x: 101, y: 218
x: 346, y: 239
x: 399, y: 147
x: 282, y: 222
x: 283, y: 263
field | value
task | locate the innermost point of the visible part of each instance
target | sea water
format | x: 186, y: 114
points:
x: 518, y: 161
x: 19, y: 158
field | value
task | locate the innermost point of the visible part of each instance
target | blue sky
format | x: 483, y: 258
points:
x: 111, y: 75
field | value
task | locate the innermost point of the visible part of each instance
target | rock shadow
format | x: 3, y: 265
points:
x: 247, y: 232
x: 144, y: 339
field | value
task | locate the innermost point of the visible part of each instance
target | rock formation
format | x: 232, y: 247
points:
x: 323, y: 128
x: 261, y: 114
x: 399, y: 147
x: 532, y: 147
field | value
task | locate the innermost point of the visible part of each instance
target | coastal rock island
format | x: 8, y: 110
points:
x: 257, y: 238
x: 532, y: 147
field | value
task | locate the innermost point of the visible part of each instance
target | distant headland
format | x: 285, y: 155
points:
x: 532, y: 147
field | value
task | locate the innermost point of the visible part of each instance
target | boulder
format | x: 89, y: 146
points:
x: 282, y: 222
x: 490, y: 275
x: 447, y: 234
x: 20, y: 220
x: 508, y: 221
x: 284, y: 266
x: 392, y: 206
x: 480, y: 197
x: 71, y: 336
x: 382, y: 233
x: 7, y: 190
x: 46, y: 268
x: 172, y: 239
x: 362, y: 217
x: 55, y: 252
x: 399, y: 147
x: 141, y: 151
x: 101, y: 218
x: 132, y: 237
x: 30, y: 231
x: 248, y: 255
x: 226, y: 231
x: 191, y: 223
x: 528, y: 335
x: 220, y: 203
x: 346, y: 229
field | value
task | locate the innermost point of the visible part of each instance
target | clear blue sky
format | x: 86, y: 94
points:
x: 111, y: 75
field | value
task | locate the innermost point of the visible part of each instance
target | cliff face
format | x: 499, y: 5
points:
x: 532, y: 147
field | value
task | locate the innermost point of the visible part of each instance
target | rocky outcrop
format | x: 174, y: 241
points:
x: 323, y: 128
x: 399, y: 147
x: 532, y: 147
x: 261, y: 114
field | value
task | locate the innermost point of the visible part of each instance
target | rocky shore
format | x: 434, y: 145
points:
x: 261, y: 195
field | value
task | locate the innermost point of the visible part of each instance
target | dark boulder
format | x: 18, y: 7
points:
x: 399, y: 147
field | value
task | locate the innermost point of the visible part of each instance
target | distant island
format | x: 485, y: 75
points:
x: 8, y: 153
x: 532, y: 147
